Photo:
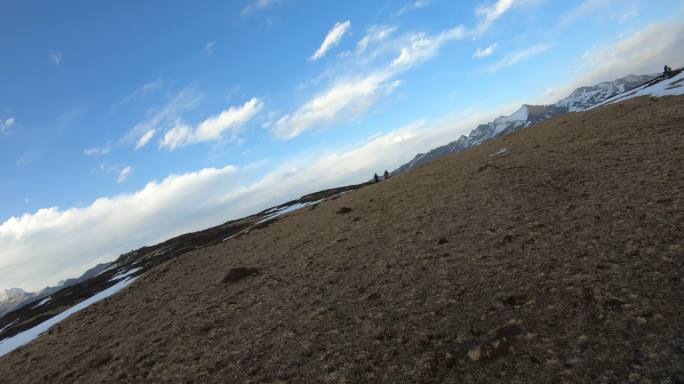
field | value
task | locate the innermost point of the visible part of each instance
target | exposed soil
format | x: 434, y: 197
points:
x: 559, y: 262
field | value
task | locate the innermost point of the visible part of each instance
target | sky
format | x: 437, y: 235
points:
x: 125, y: 123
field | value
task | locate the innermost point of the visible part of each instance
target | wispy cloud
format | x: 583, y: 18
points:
x: 349, y: 97
x: 69, y: 116
x: 518, y: 56
x: 375, y: 34
x: 585, y: 8
x: 6, y: 126
x: 491, y: 12
x: 255, y: 6
x: 143, y: 91
x: 209, y: 48
x: 96, y: 151
x: 27, y: 158
x: 482, y: 53
x: 333, y: 38
x: 145, y: 138
x: 123, y: 175
x: 56, y: 57
x: 421, y: 47
x: 417, y: 4
x: 163, y: 117
x: 231, y: 121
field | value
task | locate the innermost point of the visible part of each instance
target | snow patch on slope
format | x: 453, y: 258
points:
x: 125, y: 274
x: 284, y: 210
x: 669, y: 87
x: 23, y: 338
x: 45, y: 300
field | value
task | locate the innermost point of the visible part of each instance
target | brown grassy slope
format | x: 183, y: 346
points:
x: 558, y: 261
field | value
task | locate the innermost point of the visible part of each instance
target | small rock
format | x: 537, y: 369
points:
x: 515, y: 300
x: 344, y: 210
x: 614, y: 304
x: 442, y: 240
x: 474, y: 354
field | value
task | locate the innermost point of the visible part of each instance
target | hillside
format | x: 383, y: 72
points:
x: 553, y: 254
x: 29, y: 314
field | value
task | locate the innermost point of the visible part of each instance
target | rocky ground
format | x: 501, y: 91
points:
x: 554, y: 254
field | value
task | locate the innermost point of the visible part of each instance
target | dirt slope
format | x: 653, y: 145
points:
x: 558, y: 260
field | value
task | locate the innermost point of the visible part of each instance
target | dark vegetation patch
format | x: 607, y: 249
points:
x: 239, y: 273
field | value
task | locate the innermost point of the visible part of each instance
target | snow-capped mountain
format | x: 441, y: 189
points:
x: 579, y: 100
x: 584, y: 98
x: 12, y: 298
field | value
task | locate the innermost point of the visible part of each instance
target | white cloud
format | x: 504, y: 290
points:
x: 178, y: 135
x: 164, y: 117
x: 96, y: 151
x: 123, y: 175
x: 56, y: 57
x: 145, y: 138
x: 48, y: 245
x: 5, y: 127
x: 209, y: 48
x: 517, y: 56
x: 214, y: 128
x: 482, y: 53
x: 421, y: 47
x: 643, y: 52
x: 333, y: 38
x: 255, y: 6
x: 348, y: 97
x: 492, y: 12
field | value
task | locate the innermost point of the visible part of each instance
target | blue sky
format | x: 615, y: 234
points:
x: 125, y: 123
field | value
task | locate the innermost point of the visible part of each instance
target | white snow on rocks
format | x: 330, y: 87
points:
x: 45, y: 300
x: 668, y: 87
x: 125, y: 274
x: 288, y: 209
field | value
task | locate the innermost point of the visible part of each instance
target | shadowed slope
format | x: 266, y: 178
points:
x: 553, y: 254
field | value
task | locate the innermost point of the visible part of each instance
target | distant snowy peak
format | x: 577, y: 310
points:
x: 11, y: 294
x: 520, y: 115
x: 581, y: 99
x: 672, y: 86
x: 12, y: 298
x: 584, y: 98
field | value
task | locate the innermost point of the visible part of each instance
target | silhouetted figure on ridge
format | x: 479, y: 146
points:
x: 376, y: 178
x: 387, y: 175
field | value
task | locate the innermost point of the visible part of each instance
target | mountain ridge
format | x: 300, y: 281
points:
x: 580, y: 99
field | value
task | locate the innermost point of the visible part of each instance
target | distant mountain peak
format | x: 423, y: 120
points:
x: 580, y: 99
